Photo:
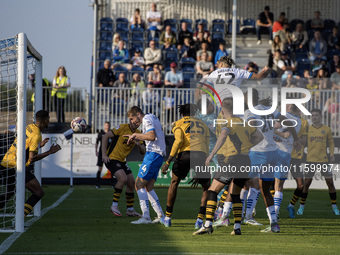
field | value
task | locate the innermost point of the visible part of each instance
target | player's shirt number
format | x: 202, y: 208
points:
x: 222, y: 81
x: 195, y: 127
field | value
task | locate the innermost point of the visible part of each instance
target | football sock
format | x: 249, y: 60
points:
x: 144, y: 202
x: 201, y: 212
x: 98, y: 178
x: 271, y: 214
x: 257, y: 198
x: 333, y: 199
x: 252, y: 195
x: 155, y: 203
x: 30, y: 203
x: 243, y: 196
x: 116, y: 196
x: 130, y: 199
x: 226, y: 209
x: 211, y: 207
x: 296, y: 197
x: 303, y: 199
x: 277, y: 201
x: 168, y: 212
x: 223, y: 198
x: 237, y: 210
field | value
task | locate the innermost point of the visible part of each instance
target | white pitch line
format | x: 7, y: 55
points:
x: 11, y: 239
x: 117, y: 253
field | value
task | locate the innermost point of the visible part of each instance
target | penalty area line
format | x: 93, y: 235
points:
x: 11, y: 239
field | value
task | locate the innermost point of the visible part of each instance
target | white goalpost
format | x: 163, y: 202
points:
x: 19, y: 59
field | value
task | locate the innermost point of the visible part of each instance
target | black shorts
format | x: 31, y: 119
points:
x: 220, y: 159
x: 10, y: 174
x: 296, y: 168
x: 187, y: 160
x: 234, y: 167
x: 115, y: 165
x: 310, y: 168
x: 100, y: 159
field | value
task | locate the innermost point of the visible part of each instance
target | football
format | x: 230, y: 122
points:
x: 78, y: 125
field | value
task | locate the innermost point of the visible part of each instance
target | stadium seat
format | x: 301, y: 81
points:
x: 105, y: 55
x: 120, y: 69
x: 106, y: 36
x: 238, y: 24
x: 106, y: 24
x: 124, y: 35
x: 326, y: 33
x: 310, y: 33
x: 302, y: 65
x: 189, y: 23
x: 204, y: 21
x: 136, y: 69
x: 248, y: 26
x: 186, y: 78
x: 293, y: 23
x: 101, y: 65
x: 215, y: 44
x: 331, y: 53
x: 172, y: 23
x: 104, y: 46
x: 218, y: 25
x: 329, y: 24
x: 171, y: 54
x: 156, y: 36
x: 188, y: 69
x: 300, y: 54
x: 137, y: 34
x: 218, y: 35
x: 166, y: 65
x: 122, y: 24
x: 134, y: 46
x: 308, y: 25
x: 187, y: 62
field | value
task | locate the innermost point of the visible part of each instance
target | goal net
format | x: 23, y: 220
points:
x: 20, y: 63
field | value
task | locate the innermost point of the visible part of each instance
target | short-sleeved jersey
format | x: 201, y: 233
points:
x: 194, y: 134
x: 118, y: 148
x: 99, y: 138
x: 151, y: 122
x: 208, y: 119
x: 303, y: 131
x: 286, y: 144
x: 238, y: 141
x: 267, y: 128
x: 318, y: 141
x: 33, y: 140
x: 218, y: 130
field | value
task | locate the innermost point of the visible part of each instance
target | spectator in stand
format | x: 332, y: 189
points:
x: 334, y: 40
x: 168, y: 38
x: 286, y: 36
x: 278, y: 25
x: 290, y: 82
x: 333, y: 63
x: 199, y: 41
x: 200, y: 29
x: 105, y: 76
x: 265, y: 22
x: 150, y: 99
x: 136, y: 20
x: 317, y: 22
x: 137, y: 84
x: 299, y: 37
x: 335, y: 78
x: 317, y: 48
x: 152, y: 55
x: 312, y: 85
x: 187, y: 50
x: 204, y: 66
x: 137, y: 60
x: 184, y: 33
x: 121, y: 82
x: 322, y: 80
x: 173, y: 78
x: 331, y: 107
x: 154, y: 18
x: 120, y: 55
x: 115, y: 41
x: 60, y: 84
x: 156, y: 77
x: 252, y: 67
x: 221, y: 52
x: 204, y: 49
x: 303, y: 81
x: 169, y: 105
x: 286, y: 65
x: 277, y: 45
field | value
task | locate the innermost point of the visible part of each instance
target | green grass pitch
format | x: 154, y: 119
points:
x: 82, y: 224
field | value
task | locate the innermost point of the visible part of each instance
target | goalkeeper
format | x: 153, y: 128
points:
x: 8, y: 164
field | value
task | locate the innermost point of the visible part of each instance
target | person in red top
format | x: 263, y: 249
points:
x: 278, y: 25
x: 200, y: 29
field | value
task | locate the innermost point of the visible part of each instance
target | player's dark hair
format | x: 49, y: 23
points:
x: 41, y: 115
x: 106, y: 122
x: 226, y: 60
x: 187, y: 109
x: 134, y: 110
x: 266, y: 102
x: 316, y: 110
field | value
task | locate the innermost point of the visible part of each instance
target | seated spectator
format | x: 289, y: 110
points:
x: 187, y: 50
x: 137, y: 60
x: 303, y: 81
x: 252, y: 67
x: 286, y: 36
x: 322, y: 80
x: 137, y: 84
x: 173, y: 78
x: 200, y: 40
x: 335, y: 78
x: 311, y: 85
x: 152, y: 55
x: 317, y: 48
x: 136, y: 20
x: 264, y: 22
x: 150, y: 99
x: 277, y: 45
x: 286, y: 65
x: 154, y: 18
x: 333, y: 63
x: 334, y: 40
x: 115, y: 41
x: 121, y: 82
x: 278, y: 25
x: 299, y: 37
x: 120, y: 55
x: 204, y: 66
x: 105, y: 76
x: 156, y: 77
x: 168, y: 38
x: 317, y: 22
x: 221, y: 52
x: 204, y: 48
x: 290, y: 82
x: 200, y: 29
x: 184, y: 33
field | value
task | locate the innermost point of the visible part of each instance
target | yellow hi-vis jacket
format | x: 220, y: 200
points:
x: 61, y: 92
x: 47, y: 84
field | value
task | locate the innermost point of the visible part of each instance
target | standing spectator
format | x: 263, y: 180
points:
x: 168, y: 38
x: 331, y: 107
x: 221, y: 52
x: 317, y: 48
x: 105, y: 76
x: 264, y: 22
x: 137, y: 84
x: 173, y: 79
x: 136, y: 20
x: 317, y: 22
x: 152, y: 55
x: 60, y: 84
x: 299, y: 37
x: 169, y: 105
x: 136, y: 60
x: 204, y: 49
x: 278, y: 25
x: 121, y: 55
x: 333, y: 63
x: 187, y: 50
x: 150, y: 99
x: 155, y: 76
x: 154, y: 18
x: 334, y: 40
x: 184, y: 33
x: 335, y: 78
x: 121, y: 82
x: 115, y: 41
x: 203, y: 66
x: 322, y: 79
x: 200, y: 29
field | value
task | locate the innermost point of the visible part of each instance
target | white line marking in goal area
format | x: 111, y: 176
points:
x: 11, y: 239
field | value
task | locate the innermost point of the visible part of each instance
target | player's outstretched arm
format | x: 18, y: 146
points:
x: 261, y: 75
x: 178, y: 133
x: 149, y: 136
x: 105, y: 141
x: 33, y: 156
x: 220, y: 141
